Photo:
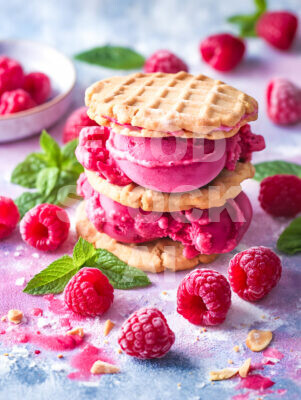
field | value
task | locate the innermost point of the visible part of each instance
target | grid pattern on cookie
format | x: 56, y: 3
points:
x: 186, y: 96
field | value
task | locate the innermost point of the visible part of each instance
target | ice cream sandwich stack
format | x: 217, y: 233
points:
x: 163, y: 170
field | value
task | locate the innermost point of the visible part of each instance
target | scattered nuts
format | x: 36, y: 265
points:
x: 77, y: 331
x: 245, y: 368
x: 15, y: 316
x: 223, y: 374
x: 101, y: 367
x: 109, y: 325
x: 258, y: 340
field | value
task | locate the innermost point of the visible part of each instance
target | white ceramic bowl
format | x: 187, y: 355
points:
x: 37, y: 57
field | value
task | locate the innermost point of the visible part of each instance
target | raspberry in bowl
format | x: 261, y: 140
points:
x: 36, y: 85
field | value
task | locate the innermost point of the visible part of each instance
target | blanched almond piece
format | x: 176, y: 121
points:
x: 101, y: 367
x: 245, y: 368
x: 223, y: 374
x: 15, y: 316
x: 109, y: 325
x: 77, y: 331
x: 258, y: 340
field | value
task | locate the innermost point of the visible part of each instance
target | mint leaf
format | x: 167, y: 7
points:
x: 278, y: 167
x: 47, y: 179
x: 25, y: 173
x: 289, y: 241
x: 52, y: 279
x: 246, y: 22
x: 82, y: 252
x: 28, y: 200
x: 114, y: 57
x: 121, y: 275
x: 51, y: 149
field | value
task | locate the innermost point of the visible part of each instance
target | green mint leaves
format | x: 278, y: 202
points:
x: 246, y: 22
x: 278, y: 167
x: 55, y: 277
x: 53, y: 173
x: 289, y: 241
x: 114, y: 57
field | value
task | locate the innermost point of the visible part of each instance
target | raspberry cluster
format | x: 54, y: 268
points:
x: 20, y: 91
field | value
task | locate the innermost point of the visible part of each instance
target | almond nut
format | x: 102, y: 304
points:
x: 101, y: 367
x: 258, y: 340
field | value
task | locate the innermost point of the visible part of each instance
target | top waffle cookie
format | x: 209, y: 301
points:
x: 183, y: 103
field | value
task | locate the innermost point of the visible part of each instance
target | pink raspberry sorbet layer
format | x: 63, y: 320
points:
x: 217, y: 230
x: 168, y: 164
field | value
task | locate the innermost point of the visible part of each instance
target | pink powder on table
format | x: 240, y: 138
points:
x: 255, y: 382
x: 273, y: 353
x: 243, y: 396
x: 84, y: 360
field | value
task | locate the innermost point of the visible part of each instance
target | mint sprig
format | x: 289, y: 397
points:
x: 55, y: 277
x: 278, y: 167
x: 52, y: 172
x: 246, y: 22
x: 114, y: 57
x: 289, y: 241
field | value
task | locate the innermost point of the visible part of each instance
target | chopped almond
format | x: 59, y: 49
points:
x: 77, y: 331
x: 223, y: 374
x: 101, y: 367
x: 258, y: 340
x: 15, y: 316
x: 109, y: 325
x: 245, y: 368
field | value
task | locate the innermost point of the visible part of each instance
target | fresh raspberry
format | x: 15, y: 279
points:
x: 45, y: 227
x: 278, y: 28
x: 164, y: 61
x: 9, y: 216
x: 11, y: 74
x: 283, y: 102
x: 15, y: 101
x: 254, y: 272
x: 89, y: 293
x: 223, y: 51
x: 204, y: 297
x: 146, y: 334
x: 38, y: 86
x: 76, y: 121
x: 280, y: 195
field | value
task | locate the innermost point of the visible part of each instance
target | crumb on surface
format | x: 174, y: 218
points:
x: 230, y: 361
x: 109, y: 325
x: 60, y: 356
x: 15, y: 316
x: 101, y: 367
x: 236, y: 348
x: 77, y: 331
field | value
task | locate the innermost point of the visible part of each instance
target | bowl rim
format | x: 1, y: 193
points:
x: 47, y: 104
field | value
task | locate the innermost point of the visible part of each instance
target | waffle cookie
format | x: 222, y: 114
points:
x: 155, y: 256
x: 191, y: 106
x: 226, y: 186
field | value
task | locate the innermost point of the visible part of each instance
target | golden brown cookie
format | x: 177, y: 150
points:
x: 225, y: 186
x: 172, y: 102
x: 155, y: 256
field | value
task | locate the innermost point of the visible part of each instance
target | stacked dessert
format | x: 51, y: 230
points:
x: 163, y: 170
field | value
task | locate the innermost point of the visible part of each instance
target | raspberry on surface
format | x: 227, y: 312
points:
x: 45, y: 227
x: 9, y: 216
x: 11, y: 74
x: 222, y: 51
x: 164, y: 61
x: 15, y: 101
x: 146, y: 334
x: 204, y: 297
x: 38, y: 85
x: 278, y: 28
x: 280, y: 195
x: 253, y: 273
x: 283, y: 102
x: 89, y: 293
x: 75, y: 122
